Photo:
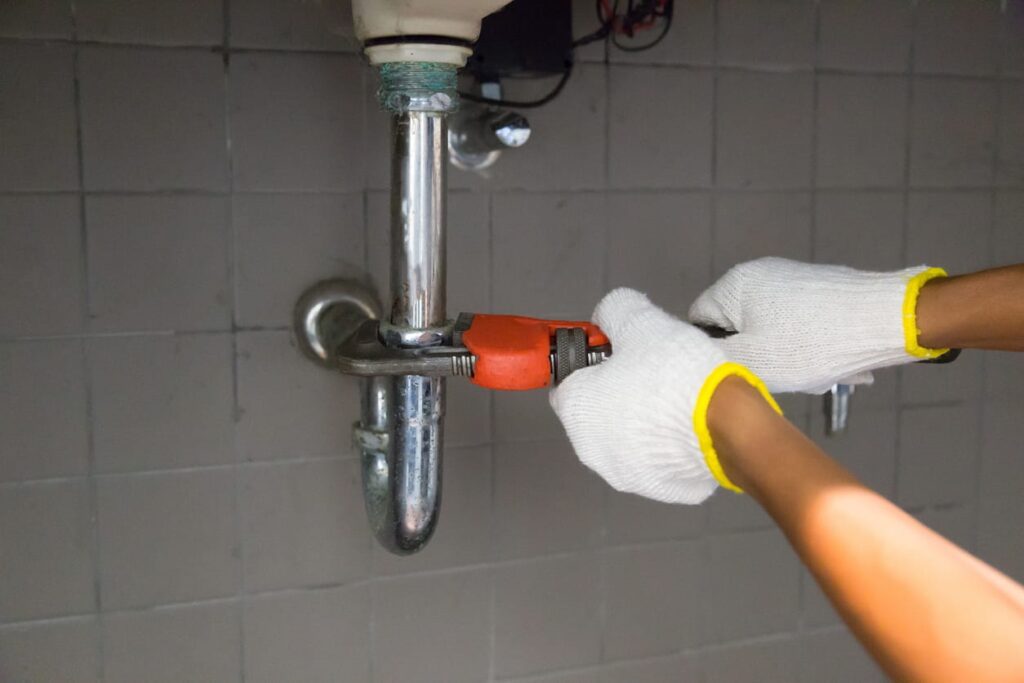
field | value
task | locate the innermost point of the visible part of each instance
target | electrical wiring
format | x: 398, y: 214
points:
x: 640, y: 15
x: 531, y: 104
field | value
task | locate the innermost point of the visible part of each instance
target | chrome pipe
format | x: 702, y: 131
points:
x: 401, y: 435
x: 418, y: 182
x: 409, y: 513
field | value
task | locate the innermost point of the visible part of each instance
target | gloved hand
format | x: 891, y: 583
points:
x: 805, y: 327
x: 639, y: 419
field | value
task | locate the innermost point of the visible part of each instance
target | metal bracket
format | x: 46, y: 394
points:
x: 328, y: 313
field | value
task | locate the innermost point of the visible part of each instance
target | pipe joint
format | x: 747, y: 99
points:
x: 418, y: 86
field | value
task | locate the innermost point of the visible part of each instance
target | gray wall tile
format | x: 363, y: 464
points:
x: 46, y: 539
x: 750, y: 226
x: 465, y: 530
x: 547, y: 253
x: 38, y: 120
x: 1004, y: 375
x: 408, y: 644
x: 867, y: 448
x: 816, y: 609
x: 742, y: 598
x: 764, y: 130
x: 938, y: 447
x: 872, y: 35
x: 468, y: 413
x: 308, y: 136
x: 43, y: 415
x: 773, y: 661
x: 40, y: 265
x: 285, y: 243
x: 861, y: 230
x: 320, y: 636
x: 190, y: 643
x: 667, y: 113
x: 376, y: 146
x: 536, y: 515
x: 285, y: 509
x: 730, y: 512
x: 957, y: 37
x: 287, y: 406
x: 193, y: 22
x: 661, y: 245
x: 310, y: 158
x: 774, y: 32
x: 1008, y: 234
x: 167, y: 538
x: 585, y: 22
x: 158, y: 263
x: 1010, y: 160
x: 634, y: 519
x: 36, y: 19
x: 952, y: 133
x: 925, y: 383
x: 293, y: 25
x: 862, y: 124
x: 999, y: 539
x: 955, y: 522
x: 836, y: 655
x: 949, y: 229
x: 134, y: 102
x: 670, y: 669
x: 546, y: 615
x: 525, y: 416
x: 66, y: 651
x: 651, y: 595
x: 1002, y: 448
x: 161, y: 402
x: 1013, y: 46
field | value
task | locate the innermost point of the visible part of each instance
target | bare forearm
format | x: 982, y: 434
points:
x: 923, y: 607
x: 983, y: 310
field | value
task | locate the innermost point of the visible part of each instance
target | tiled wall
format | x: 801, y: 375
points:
x: 179, y: 500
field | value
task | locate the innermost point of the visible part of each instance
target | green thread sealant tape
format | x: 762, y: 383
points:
x: 418, y: 86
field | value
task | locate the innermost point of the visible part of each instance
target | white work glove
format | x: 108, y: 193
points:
x: 805, y: 327
x: 639, y: 419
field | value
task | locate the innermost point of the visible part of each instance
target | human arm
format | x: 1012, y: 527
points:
x: 805, y: 327
x: 924, y: 608
x: 983, y: 310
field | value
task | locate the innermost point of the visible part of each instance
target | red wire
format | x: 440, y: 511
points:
x: 607, y: 14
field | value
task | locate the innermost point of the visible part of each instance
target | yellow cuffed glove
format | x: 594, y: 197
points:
x: 639, y: 419
x: 804, y: 327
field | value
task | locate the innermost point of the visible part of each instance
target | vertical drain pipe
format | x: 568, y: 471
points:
x: 402, y: 471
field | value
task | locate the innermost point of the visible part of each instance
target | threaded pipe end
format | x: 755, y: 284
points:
x: 418, y: 86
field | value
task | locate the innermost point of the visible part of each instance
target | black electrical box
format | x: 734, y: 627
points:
x: 524, y: 39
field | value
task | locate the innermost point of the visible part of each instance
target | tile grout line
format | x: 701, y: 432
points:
x: 232, y: 273
x: 492, y: 416
x: 374, y: 549
x: 908, y: 122
x: 355, y: 56
x: 602, y: 569
x: 85, y: 313
x: 982, y: 397
x: 803, y: 576
x: 595, y: 190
